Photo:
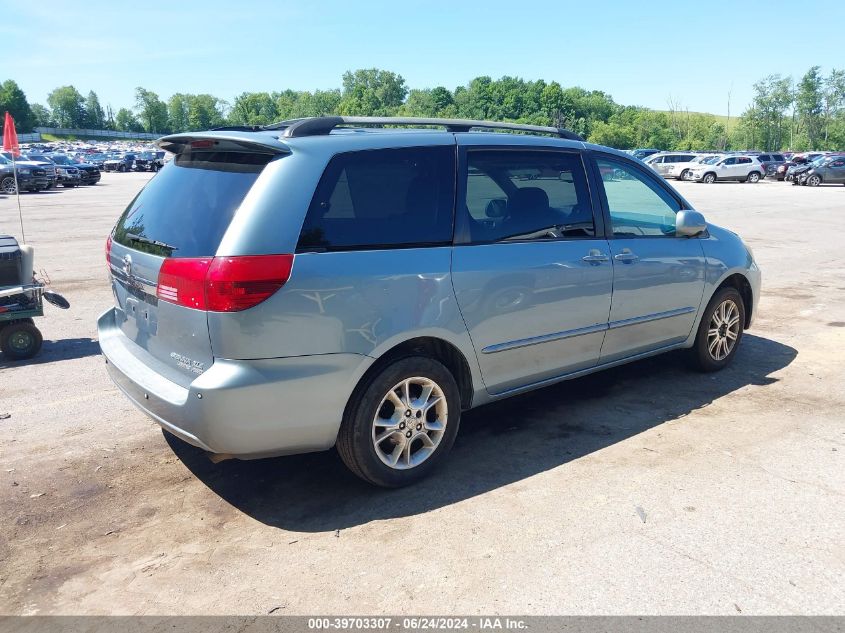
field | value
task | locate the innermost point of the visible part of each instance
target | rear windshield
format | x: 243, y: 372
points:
x: 187, y: 206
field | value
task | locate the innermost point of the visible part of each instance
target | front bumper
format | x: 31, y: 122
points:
x: 89, y: 177
x: 243, y: 408
x: 30, y: 182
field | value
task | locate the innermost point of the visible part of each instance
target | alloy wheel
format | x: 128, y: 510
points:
x: 8, y: 186
x: 410, y: 423
x: 724, y: 330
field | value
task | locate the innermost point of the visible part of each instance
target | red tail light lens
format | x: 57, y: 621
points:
x: 108, y: 251
x: 238, y: 283
x: 182, y: 281
x: 222, y: 284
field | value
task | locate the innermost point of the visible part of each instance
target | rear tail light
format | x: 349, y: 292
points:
x: 108, y: 250
x: 182, y: 281
x: 222, y: 284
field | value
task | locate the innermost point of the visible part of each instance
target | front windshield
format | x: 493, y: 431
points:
x: 710, y: 160
x: 61, y: 159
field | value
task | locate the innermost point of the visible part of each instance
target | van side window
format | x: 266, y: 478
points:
x: 638, y: 206
x: 526, y: 195
x: 382, y: 199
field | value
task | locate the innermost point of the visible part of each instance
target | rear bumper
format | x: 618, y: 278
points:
x: 242, y: 408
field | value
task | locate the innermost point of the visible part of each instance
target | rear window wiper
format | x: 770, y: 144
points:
x: 145, y: 240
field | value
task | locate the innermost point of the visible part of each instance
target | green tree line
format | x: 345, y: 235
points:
x: 783, y: 114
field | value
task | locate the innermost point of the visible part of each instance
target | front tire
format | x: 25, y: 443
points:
x: 7, y: 185
x: 684, y: 175
x: 401, y: 423
x: 814, y: 180
x: 709, y: 179
x: 719, y: 332
x: 20, y: 340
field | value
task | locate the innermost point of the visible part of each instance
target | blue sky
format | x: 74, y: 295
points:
x: 642, y: 53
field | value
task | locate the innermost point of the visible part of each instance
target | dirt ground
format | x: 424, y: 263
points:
x: 645, y: 489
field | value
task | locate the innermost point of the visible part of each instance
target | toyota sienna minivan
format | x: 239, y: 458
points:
x: 334, y: 282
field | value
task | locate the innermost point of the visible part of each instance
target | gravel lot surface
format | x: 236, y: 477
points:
x: 645, y: 489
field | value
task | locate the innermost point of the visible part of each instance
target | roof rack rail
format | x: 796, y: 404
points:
x: 313, y: 126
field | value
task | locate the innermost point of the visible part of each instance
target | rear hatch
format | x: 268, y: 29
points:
x: 162, y: 250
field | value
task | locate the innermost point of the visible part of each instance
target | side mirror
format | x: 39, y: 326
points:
x: 689, y: 223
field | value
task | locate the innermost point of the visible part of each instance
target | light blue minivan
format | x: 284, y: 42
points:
x: 359, y: 282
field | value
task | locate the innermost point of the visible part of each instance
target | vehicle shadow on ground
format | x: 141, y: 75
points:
x: 498, y: 444
x: 53, y: 351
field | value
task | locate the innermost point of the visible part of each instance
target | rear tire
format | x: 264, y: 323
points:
x: 381, y: 436
x: 753, y: 177
x: 20, y: 340
x: 719, y: 332
x: 684, y: 175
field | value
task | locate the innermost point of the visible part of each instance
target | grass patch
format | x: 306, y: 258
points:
x: 720, y: 118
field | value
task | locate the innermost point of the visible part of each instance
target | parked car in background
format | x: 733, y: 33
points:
x: 146, y: 161
x: 664, y: 163
x: 123, y: 163
x: 67, y: 176
x: 48, y: 166
x: 828, y: 170
x: 30, y: 176
x: 641, y: 154
x: 798, y: 161
x: 740, y: 168
x: 96, y: 159
x: 771, y: 162
x: 684, y: 170
x: 88, y: 174
x: 508, y: 272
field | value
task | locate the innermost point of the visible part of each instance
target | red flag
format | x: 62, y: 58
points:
x: 10, y: 137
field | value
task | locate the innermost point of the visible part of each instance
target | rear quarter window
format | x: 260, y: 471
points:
x: 388, y: 198
x: 187, y: 207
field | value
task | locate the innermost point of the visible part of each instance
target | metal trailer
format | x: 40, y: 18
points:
x: 19, y: 306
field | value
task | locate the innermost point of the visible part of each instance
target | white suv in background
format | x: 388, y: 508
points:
x: 683, y: 171
x: 741, y: 168
x: 665, y: 163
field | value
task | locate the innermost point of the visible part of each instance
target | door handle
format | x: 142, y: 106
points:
x: 595, y: 256
x: 626, y: 256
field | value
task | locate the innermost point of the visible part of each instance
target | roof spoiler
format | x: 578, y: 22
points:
x: 222, y: 140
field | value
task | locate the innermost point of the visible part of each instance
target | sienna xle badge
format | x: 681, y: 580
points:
x: 320, y: 283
